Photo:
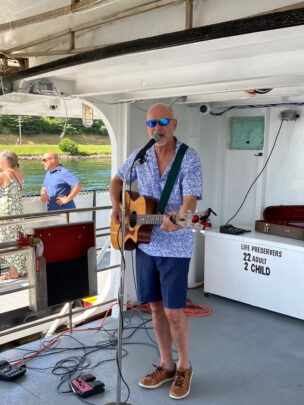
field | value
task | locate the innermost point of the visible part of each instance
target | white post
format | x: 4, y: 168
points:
x: 20, y: 132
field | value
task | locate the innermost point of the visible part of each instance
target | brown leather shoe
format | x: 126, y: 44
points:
x: 158, y: 377
x: 180, y: 387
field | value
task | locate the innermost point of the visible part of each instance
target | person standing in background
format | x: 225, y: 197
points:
x: 11, y: 187
x: 60, y: 185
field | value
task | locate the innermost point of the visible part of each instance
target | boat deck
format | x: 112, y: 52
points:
x: 240, y: 355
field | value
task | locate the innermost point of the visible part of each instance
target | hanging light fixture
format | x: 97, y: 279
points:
x: 87, y: 116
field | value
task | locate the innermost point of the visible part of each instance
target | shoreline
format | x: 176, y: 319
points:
x: 68, y: 157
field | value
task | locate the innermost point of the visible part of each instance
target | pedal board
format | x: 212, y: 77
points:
x: 9, y: 372
x: 86, y: 386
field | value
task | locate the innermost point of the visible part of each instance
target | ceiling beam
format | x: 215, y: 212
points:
x: 271, y: 22
x: 82, y: 5
x: 56, y: 52
x: 58, y: 12
x: 96, y: 23
x: 189, y: 14
x: 72, y: 40
x: 127, y: 13
x: 38, y: 41
x: 79, y: 5
x: 74, y: 7
x: 36, y: 18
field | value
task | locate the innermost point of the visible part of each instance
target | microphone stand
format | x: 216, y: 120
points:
x: 122, y: 280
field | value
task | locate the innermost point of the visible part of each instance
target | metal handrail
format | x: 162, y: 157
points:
x: 102, y: 234
x: 11, y: 247
x: 81, y: 192
x: 52, y: 318
x: 52, y: 213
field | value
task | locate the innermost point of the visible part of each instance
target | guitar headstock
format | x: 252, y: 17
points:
x: 197, y: 221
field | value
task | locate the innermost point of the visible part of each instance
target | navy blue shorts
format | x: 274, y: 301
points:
x: 162, y: 279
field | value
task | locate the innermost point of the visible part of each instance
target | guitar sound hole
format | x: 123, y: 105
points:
x: 133, y: 217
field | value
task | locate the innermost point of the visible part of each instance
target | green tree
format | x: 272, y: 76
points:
x: 9, y: 124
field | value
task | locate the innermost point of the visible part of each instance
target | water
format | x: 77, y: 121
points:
x: 92, y: 173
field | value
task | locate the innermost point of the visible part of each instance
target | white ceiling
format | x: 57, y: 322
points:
x: 217, y: 71
x: 122, y: 19
x: 212, y: 70
x: 93, y: 15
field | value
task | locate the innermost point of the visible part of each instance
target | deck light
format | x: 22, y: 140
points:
x: 87, y: 116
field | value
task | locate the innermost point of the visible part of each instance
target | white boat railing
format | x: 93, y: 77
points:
x: 100, y: 215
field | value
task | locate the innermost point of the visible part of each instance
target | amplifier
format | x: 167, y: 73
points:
x: 67, y: 268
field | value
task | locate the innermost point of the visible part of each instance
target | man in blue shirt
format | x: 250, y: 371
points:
x: 162, y: 265
x: 60, y: 185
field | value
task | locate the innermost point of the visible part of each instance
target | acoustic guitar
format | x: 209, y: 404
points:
x: 140, y: 218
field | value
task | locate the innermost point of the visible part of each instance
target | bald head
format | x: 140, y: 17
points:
x: 160, y: 109
x: 50, y: 161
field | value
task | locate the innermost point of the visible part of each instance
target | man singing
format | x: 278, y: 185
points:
x: 162, y: 265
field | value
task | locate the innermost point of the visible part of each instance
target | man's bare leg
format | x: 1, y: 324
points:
x: 179, y: 329
x: 162, y: 331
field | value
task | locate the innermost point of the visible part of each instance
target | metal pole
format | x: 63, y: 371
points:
x: 70, y: 316
x: 121, y: 288
x: 94, y: 205
x: 20, y: 132
x: 121, y: 292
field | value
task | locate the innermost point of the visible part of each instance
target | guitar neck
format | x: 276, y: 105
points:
x: 149, y: 219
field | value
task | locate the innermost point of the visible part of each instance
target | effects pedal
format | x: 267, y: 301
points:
x: 86, y: 386
x: 9, y: 372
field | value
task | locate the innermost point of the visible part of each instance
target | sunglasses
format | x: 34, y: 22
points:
x: 44, y: 160
x: 163, y: 122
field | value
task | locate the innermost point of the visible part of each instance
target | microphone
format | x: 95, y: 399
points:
x: 155, y: 138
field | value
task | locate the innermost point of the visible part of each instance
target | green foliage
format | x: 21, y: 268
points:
x: 70, y: 130
x: 9, y: 124
x: 68, y: 146
x: 103, y: 130
x: 48, y: 125
x: 42, y: 149
x: 31, y: 125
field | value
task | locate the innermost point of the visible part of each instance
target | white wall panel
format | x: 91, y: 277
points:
x: 285, y: 174
x: 227, y: 175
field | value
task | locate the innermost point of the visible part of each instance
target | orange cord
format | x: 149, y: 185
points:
x: 61, y: 334
x: 191, y: 309
x: 196, y: 310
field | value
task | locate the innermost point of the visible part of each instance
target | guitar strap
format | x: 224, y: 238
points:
x: 171, y: 178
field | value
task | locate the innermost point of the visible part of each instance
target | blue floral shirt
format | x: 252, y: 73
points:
x: 189, y: 182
